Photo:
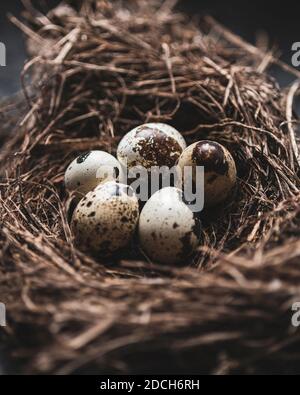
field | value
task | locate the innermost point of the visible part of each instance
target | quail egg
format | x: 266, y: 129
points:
x: 168, y: 229
x: 89, y: 170
x: 220, y: 172
x: 151, y: 144
x: 105, y: 219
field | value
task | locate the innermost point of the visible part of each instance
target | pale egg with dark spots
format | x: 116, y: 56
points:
x: 151, y: 144
x: 105, y: 219
x: 89, y: 170
x: 220, y: 173
x: 168, y: 229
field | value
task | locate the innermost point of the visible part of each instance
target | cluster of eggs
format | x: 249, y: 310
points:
x: 108, y: 212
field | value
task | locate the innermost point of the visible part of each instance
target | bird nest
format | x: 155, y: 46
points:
x: 97, y: 70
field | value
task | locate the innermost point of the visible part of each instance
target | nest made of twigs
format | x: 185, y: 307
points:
x: 99, y: 69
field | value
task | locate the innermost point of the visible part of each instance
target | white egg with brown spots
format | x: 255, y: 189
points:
x: 168, y: 230
x: 105, y: 219
x: 89, y: 170
x: 220, y: 173
x: 151, y: 144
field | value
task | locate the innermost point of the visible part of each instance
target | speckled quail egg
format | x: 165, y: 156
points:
x: 168, y: 230
x: 151, y: 144
x: 220, y: 172
x: 89, y: 170
x: 105, y: 219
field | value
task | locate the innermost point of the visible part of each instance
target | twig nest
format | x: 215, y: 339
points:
x: 168, y: 230
x: 151, y: 144
x: 89, y: 170
x: 105, y: 219
x: 219, y: 169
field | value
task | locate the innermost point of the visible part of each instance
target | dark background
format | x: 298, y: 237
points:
x: 279, y: 20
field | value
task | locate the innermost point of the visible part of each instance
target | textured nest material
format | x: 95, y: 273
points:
x: 99, y: 69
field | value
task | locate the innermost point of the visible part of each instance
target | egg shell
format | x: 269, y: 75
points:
x: 89, y: 170
x: 151, y: 144
x: 105, y: 219
x: 168, y: 230
x: 220, y: 171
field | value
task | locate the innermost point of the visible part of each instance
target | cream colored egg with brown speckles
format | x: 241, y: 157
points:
x: 151, y: 144
x: 89, y: 170
x: 220, y: 173
x: 105, y: 219
x: 168, y: 229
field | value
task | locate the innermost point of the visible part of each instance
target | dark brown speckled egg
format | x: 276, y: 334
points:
x: 220, y: 172
x: 151, y: 144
